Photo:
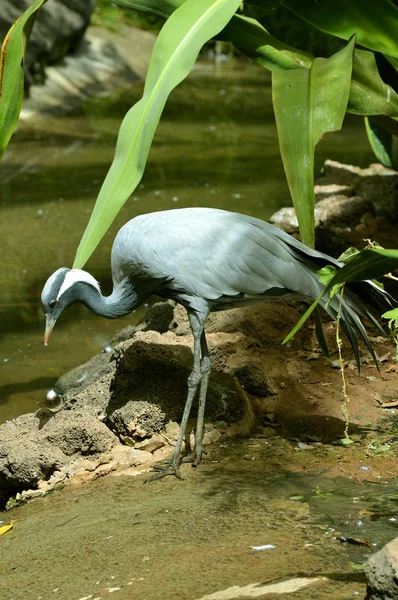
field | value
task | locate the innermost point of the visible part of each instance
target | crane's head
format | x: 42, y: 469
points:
x: 61, y: 289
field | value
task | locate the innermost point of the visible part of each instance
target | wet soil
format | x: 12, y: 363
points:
x: 192, y: 538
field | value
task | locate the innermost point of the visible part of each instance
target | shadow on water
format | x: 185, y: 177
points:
x: 216, y: 146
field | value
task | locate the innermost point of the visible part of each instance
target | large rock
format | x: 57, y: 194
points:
x: 381, y: 572
x: 352, y: 205
x: 120, y: 410
x: 148, y: 385
x: 59, y: 26
x: 33, y: 448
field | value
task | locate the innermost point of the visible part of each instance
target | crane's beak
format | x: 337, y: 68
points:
x: 50, y: 322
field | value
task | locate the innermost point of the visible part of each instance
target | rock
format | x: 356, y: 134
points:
x: 352, y: 205
x: 157, y: 318
x: 32, y: 451
x: 66, y: 63
x: 254, y: 380
x: 150, y: 384
x: 381, y: 572
x: 76, y: 380
x: 172, y: 430
x: 59, y: 26
x: 151, y: 445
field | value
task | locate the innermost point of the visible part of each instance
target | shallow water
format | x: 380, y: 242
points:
x: 216, y: 146
x: 193, y: 538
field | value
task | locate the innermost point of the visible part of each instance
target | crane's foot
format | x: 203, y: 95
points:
x: 162, y: 470
x: 194, y: 458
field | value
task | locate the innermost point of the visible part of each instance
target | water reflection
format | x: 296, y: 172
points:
x: 216, y: 146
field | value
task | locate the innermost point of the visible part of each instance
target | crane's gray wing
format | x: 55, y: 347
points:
x: 212, y: 254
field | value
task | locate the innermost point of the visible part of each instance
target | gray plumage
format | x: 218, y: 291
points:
x: 206, y: 259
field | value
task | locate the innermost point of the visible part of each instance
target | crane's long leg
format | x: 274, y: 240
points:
x: 172, y: 467
x: 205, y: 368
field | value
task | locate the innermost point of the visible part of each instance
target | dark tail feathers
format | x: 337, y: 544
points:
x: 358, y: 301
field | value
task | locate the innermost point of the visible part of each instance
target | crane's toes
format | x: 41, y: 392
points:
x: 194, y: 458
x: 163, y: 471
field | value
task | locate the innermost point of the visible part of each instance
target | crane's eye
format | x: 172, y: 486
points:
x: 52, y: 303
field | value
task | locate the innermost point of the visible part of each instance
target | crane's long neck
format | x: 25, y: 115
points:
x: 122, y: 301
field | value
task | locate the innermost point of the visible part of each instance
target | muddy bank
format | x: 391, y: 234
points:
x: 120, y: 410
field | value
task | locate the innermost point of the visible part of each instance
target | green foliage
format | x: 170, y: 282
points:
x: 369, y: 263
x: 174, y: 54
x: 108, y: 14
x: 12, y: 72
x: 381, y: 141
x: 311, y: 94
x: 307, y: 104
x: 375, y: 29
x: 392, y: 316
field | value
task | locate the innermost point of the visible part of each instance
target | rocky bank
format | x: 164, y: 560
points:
x: 120, y: 410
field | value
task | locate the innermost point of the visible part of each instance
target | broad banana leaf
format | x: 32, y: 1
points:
x: 307, y: 104
x: 175, y: 51
x: 375, y: 24
x: 12, y: 72
x: 369, y: 95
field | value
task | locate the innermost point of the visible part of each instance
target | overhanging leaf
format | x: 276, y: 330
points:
x: 380, y: 140
x: 12, y: 72
x: 307, y: 104
x: 162, y: 8
x: 250, y: 38
x: 367, y: 264
x: 174, y: 54
x: 246, y: 34
x: 369, y: 94
x: 374, y: 23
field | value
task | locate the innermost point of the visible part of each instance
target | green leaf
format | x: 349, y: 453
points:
x: 307, y: 104
x: 326, y: 274
x: 367, y: 264
x: 391, y: 314
x: 12, y: 72
x: 374, y: 23
x: 347, y: 254
x: 380, y: 140
x: 320, y: 335
x: 246, y: 34
x: 344, y: 442
x: 250, y: 38
x: 162, y: 8
x: 303, y: 319
x: 369, y: 94
x: 174, y: 54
